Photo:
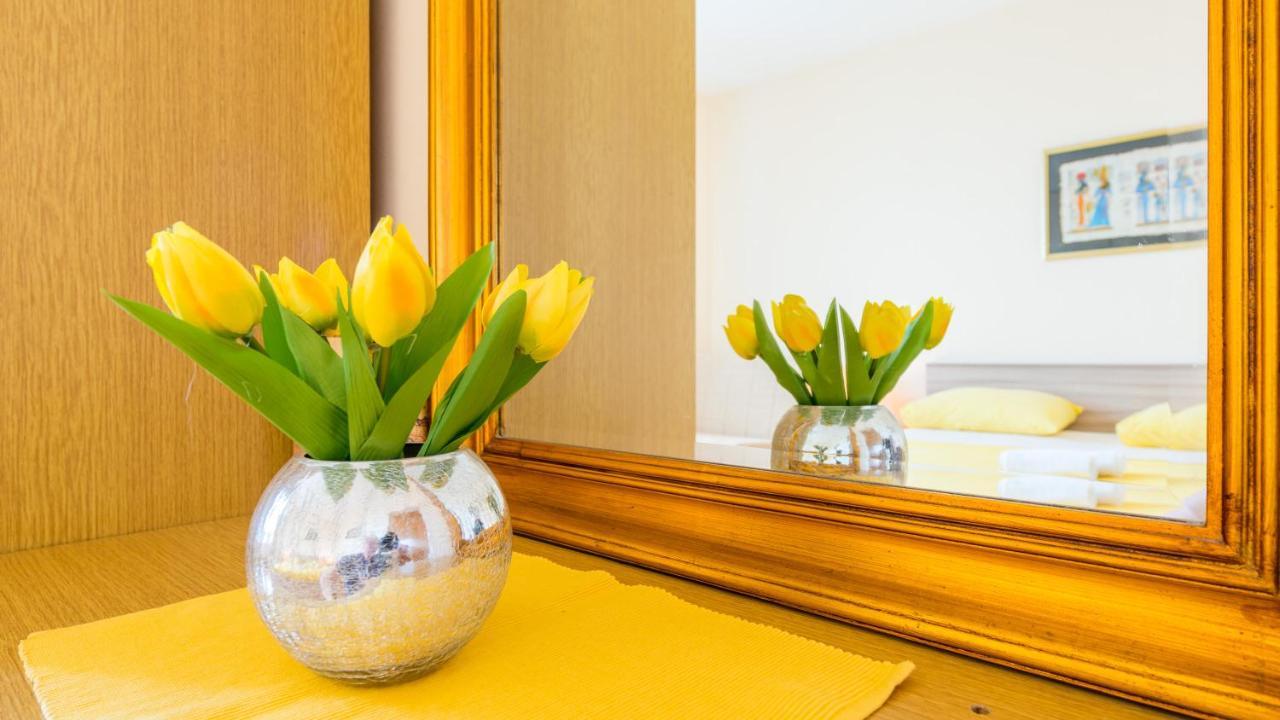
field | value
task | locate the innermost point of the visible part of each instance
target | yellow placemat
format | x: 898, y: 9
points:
x: 561, y: 643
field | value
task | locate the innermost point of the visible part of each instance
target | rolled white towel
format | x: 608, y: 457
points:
x: 1109, y: 462
x: 1060, y: 490
x: 1085, y: 463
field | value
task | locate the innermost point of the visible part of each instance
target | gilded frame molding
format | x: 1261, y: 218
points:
x: 1182, y: 618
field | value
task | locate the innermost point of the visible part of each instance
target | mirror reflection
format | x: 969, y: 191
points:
x: 951, y: 246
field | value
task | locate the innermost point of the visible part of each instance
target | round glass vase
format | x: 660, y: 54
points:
x: 377, y: 572
x: 845, y: 442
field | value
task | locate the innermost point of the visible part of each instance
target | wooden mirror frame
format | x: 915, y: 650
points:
x: 1181, y: 617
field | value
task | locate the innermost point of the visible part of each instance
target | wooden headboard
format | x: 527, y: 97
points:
x: 1107, y: 393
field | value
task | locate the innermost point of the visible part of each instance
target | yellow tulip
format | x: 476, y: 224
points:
x: 259, y: 271
x: 797, y: 324
x: 740, y: 328
x: 311, y: 296
x: 203, y: 284
x: 393, y: 287
x: 882, y: 327
x: 514, y: 281
x: 555, y: 306
x: 941, y: 319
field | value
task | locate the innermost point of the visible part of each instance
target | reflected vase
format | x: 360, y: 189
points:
x: 377, y: 572
x: 843, y: 442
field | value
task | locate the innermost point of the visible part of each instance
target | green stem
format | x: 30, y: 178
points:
x: 384, y: 367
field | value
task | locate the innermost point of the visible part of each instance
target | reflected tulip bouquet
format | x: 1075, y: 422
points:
x: 836, y: 362
x: 393, y: 328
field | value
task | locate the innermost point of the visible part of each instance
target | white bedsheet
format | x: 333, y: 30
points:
x: 1066, y: 440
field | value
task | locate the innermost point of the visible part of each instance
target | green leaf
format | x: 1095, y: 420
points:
x: 809, y: 371
x: 479, y: 383
x: 364, y: 401
x: 273, y: 333
x: 523, y: 369
x: 830, y: 379
x: 388, y: 436
x: 416, y: 360
x: 896, y: 363
x: 317, y: 363
x: 857, y: 369
x: 313, y: 422
x: 787, y: 377
x: 455, y: 298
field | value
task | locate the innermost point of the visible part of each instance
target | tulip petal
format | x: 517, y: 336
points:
x: 305, y: 295
x: 157, y: 269
x: 221, y: 286
x: 186, y: 305
x: 797, y: 324
x: 405, y: 243
x: 514, y: 281
x: 548, y: 300
x: 330, y: 274
x: 557, y: 339
x: 388, y: 296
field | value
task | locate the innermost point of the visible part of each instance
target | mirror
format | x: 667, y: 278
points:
x: 1040, y: 169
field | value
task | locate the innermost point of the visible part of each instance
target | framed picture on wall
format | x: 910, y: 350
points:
x: 1131, y: 193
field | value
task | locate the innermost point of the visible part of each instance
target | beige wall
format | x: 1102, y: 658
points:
x: 399, y: 57
x: 596, y: 131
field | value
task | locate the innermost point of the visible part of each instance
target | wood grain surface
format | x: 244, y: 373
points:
x: 59, y: 586
x: 248, y: 120
x: 596, y: 166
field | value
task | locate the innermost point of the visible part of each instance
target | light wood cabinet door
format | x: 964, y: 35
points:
x: 250, y: 121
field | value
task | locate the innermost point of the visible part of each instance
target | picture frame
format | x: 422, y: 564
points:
x: 1136, y: 192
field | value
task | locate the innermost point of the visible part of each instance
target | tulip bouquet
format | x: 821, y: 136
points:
x: 393, y: 327
x: 875, y: 354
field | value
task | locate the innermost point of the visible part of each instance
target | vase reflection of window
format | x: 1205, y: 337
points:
x: 1101, y: 201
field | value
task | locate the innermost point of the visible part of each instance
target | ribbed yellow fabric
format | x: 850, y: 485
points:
x: 561, y: 644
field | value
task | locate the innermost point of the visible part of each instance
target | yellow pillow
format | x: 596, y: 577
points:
x: 1159, y: 427
x: 1190, y: 429
x: 1147, y: 428
x: 1025, y: 412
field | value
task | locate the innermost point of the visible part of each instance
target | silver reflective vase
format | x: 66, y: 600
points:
x: 377, y: 572
x: 844, y: 442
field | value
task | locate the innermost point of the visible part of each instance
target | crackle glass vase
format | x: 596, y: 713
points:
x: 377, y: 572
x: 844, y: 442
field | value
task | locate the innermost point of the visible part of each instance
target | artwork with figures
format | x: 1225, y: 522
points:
x: 1142, y: 191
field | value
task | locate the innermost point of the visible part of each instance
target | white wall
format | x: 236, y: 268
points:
x: 916, y: 168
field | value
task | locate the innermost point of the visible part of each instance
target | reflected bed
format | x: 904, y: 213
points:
x: 1155, y: 482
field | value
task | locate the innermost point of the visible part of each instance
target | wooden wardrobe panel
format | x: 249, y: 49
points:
x: 596, y: 166
x: 250, y: 121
